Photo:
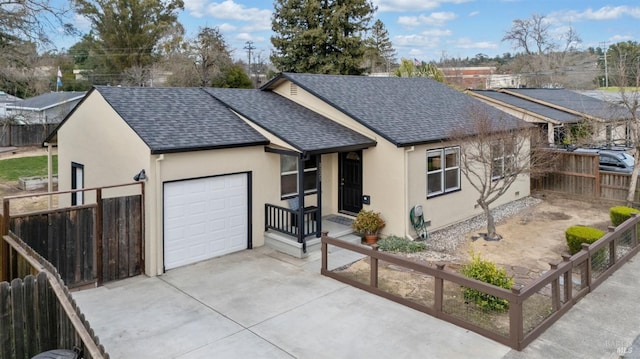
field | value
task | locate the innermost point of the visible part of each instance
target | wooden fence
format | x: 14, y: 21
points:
x: 579, y: 175
x: 37, y: 313
x: 98, y: 242
x: 532, y: 308
x: 24, y: 135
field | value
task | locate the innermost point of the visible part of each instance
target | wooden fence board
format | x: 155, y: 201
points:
x: 66, y: 238
x: 24, y: 135
x: 6, y: 342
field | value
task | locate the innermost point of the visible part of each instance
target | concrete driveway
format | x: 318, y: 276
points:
x: 262, y: 304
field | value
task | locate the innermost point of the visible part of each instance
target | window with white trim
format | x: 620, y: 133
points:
x: 289, y: 176
x: 443, y: 171
x: 503, y: 157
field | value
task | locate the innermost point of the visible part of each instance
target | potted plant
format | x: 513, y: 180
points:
x: 369, y: 224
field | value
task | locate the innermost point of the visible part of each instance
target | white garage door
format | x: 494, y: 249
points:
x: 204, y: 218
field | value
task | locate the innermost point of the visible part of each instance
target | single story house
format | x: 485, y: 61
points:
x: 226, y: 167
x: 556, y: 111
x: 51, y: 107
x: 5, y: 100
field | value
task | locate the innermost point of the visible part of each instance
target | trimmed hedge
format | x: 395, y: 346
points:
x: 619, y: 214
x: 576, y: 235
x: 399, y: 244
x: 486, y: 271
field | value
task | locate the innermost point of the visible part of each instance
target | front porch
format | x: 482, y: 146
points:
x: 281, y: 230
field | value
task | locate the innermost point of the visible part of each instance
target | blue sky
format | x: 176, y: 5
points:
x: 430, y: 29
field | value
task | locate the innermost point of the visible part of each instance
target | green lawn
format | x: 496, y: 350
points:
x: 13, y: 168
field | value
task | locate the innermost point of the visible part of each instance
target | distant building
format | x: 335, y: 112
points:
x: 6, y: 100
x: 50, y: 107
x: 479, y: 78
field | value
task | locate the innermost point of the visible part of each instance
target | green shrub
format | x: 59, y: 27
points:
x: 399, y: 244
x: 487, y: 272
x: 619, y: 214
x: 576, y: 235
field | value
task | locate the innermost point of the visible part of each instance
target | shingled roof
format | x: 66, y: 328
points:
x: 528, y: 105
x: 179, y: 119
x: 404, y: 111
x: 562, y: 98
x: 48, y: 100
x: 302, y: 128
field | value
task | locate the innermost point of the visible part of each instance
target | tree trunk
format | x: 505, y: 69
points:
x: 631, y: 194
x: 491, y: 224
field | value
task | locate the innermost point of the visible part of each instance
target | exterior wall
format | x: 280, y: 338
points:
x: 265, y: 185
x: 453, y: 207
x: 95, y: 137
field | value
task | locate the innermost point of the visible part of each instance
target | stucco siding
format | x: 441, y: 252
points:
x: 447, y: 209
x: 95, y: 137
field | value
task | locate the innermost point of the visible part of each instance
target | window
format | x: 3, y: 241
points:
x: 443, y: 171
x: 77, y: 182
x: 289, y: 176
x: 503, y: 159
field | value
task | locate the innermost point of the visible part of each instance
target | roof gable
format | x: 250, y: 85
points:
x: 48, y: 100
x: 179, y: 119
x: 573, y: 101
x: 528, y: 105
x: 405, y: 111
x: 302, y: 128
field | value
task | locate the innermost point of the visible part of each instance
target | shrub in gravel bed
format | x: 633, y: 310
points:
x: 399, y: 244
x: 619, y: 214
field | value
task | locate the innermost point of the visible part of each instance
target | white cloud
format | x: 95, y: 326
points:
x: 226, y: 27
x: 433, y: 19
x: 229, y: 10
x: 437, y: 32
x: 474, y: 13
x: 412, y: 5
x: 604, y: 13
x: 465, y: 43
x: 194, y: 7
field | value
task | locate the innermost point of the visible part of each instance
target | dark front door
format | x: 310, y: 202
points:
x: 350, y: 176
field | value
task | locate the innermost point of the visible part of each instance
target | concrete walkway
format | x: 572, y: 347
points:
x: 262, y: 304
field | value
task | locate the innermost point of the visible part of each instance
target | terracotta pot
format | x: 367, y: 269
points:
x: 371, y: 238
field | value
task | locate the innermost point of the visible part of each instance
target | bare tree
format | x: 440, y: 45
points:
x: 544, y: 58
x: 494, y: 154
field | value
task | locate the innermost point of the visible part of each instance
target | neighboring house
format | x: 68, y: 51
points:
x: 559, y: 112
x: 50, y: 107
x: 220, y: 163
x: 6, y: 100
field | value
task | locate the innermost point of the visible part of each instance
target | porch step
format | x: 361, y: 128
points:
x: 289, y: 245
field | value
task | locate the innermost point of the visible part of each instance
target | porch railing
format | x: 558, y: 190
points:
x: 285, y: 220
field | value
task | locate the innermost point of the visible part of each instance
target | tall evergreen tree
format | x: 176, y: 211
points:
x: 381, y: 53
x: 320, y: 36
x: 128, y: 32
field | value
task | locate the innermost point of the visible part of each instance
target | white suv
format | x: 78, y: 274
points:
x: 610, y: 160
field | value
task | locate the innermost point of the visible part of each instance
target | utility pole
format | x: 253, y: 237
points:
x: 606, y: 68
x: 249, y: 48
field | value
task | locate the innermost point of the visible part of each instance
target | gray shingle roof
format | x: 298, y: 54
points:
x: 405, y: 111
x: 530, y: 106
x: 304, y: 129
x: 574, y: 101
x: 179, y: 119
x: 48, y: 100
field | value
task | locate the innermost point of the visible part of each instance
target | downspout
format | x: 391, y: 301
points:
x: 159, y: 223
x: 49, y: 173
x: 407, y: 234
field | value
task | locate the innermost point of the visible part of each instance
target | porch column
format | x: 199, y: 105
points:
x: 550, y: 133
x: 300, y: 216
x: 318, y: 215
